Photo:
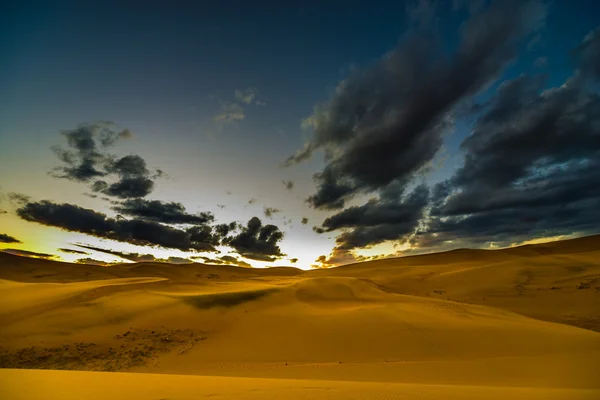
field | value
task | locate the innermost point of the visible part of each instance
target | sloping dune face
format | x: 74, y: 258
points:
x: 472, y: 320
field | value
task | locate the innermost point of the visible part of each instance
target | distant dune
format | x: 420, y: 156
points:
x: 521, y: 322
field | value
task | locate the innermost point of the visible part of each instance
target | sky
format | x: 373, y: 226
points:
x: 295, y: 133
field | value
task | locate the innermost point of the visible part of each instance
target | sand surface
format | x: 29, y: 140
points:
x: 521, y: 322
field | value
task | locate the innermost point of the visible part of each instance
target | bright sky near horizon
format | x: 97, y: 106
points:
x: 295, y: 133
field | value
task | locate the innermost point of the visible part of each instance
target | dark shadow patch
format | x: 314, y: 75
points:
x: 206, y: 301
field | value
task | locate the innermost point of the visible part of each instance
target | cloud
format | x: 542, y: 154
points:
x: 588, y: 54
x: 141, y: 232
x: 87, y: 160
x: 257, y: 241
x: 245, y: 96
x: 385, y: 123
x: 129, y: 187
x: 293, y: 260
x: 234, y: 261
x: 18, y: 198
x: 159, y: 211
x: 92, y: 261
x: 84, y: 157
x: 531, y: 167
x: 235, y: 110
x: 222, y: 230
x: 300, y: 155
x: 137, y: 257
x: 269, y: 211
x: 27, y: 253
x: 226, y: 259
x: 304, y: 221
x: 289, y: 185
x: 72, y: 251
x: 336, y: 258
x: 393, y: 216
x: 178, y: 260
x: 4, y: 238
x: 230, y: 112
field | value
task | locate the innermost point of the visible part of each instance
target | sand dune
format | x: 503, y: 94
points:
x: 476, y: 323
x: 50, y: 385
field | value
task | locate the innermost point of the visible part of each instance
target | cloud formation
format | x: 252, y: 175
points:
x: 393, y: 216
x: 137, y: 257
x: 27, y: 253
x: 4, y: 238
x: 86, y: 159
x: 385, y: 123
x: 92, y: 261
x: 336, y: 258
x: 289, y: 185
x: 77, y: 219
x: 531, y: 166
x: 235, y: 110
x: 159, y: 211
x: 256, y: 241
x: 245, y: 96
x: 269, y: 211
x: 72, y: 251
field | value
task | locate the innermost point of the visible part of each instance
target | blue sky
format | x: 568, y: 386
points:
x: 167, y: 72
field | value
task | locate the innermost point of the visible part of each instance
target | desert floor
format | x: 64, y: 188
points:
x: 467, y: 324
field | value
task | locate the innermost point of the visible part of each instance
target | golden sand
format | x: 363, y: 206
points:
x: 521, y: 322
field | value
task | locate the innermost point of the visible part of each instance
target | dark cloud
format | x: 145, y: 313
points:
x: 127, y: 256
x: 4, y: 238
x: 27, y: 253
x: 336, y: 258
x: 204, y: 234
x: 77, y: 219
x: 72, y: 251
x: 18, y: 198
x: 386, y: 123
x: 92, y: 261
x: 269, y: 211
x: 226, y: 259
x: 304, y: 221
x: 222, y: 230
x: 159, y: 211
x: 393, y: 216
x: 208, y: 260
x: 531, y: 167
x: 178, y: 260
x: 86, y: 159
x: 588, y: 54
x: 130, y: 187
x: 85, y: 154
x: 257, y: 241
x: 293, y: 260
x: 289, y: 185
